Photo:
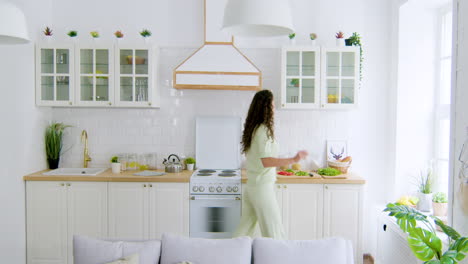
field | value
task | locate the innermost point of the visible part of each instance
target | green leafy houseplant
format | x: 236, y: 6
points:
x: 53, y: 143
x: 72, y: 33
x: 424, y: 242
x: 190, y: 160
x: 47, y: 31
x: 292, y: 35
x: 114, y: 159
x: 355, y: 40
x: 145, y: 33
x: 425, y: 182
x: 440, y: 197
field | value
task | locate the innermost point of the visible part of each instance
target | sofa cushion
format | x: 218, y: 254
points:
x: 330, y: 251
x: 132, y: 259
x: 148, y: 251
x: 88, y: 250
x: 176, y: 249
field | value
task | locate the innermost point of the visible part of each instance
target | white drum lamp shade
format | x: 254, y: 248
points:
x: 258, y: 18
x: 13, y: 28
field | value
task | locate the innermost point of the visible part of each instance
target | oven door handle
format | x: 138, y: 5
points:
x: 237, y: 198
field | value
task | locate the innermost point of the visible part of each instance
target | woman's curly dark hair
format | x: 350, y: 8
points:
x: 260, y: 112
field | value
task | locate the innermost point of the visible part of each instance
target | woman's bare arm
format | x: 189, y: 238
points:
x: 277, y: 162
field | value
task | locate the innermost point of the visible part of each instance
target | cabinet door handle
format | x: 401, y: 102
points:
x: 149, y: 103
x: 326, y: 186
x: 62, y: 184
x: 68, y: 184
x: 151, y: 185
x: 285, y: 186
x: 110, y: 103
x: 279, y: 187
x: 144, y: 185
x: 70, y: 103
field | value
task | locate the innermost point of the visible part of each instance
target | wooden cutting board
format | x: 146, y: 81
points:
x: 341, y: 176
x: 316, y: 176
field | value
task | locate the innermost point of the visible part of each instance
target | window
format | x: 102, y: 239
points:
x: 442, y: 100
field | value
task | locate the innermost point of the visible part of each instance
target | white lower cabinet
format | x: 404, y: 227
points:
x: 146, y: 210
x: 302, y: 206
x: 342, y: 214
x: 58, y: 210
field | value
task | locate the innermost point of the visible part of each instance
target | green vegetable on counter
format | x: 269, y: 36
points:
x: 301, y: 173
x: 289, y: 170
x: 328, y: 171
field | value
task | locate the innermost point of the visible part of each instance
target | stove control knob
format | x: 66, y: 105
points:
x: 219, y: 189
x: 229, y: 189
x: 195, y: 188
x: 212, y: 189
x: 201, y: 189
x: 235, y: 189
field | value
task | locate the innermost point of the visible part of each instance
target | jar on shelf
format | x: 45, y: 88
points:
x: 123, y: 159
x: 152, y: 160
x: 132, y: 162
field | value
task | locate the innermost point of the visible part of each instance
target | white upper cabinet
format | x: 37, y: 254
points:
x: 135, y: 71
x: 340, y: 77
x: 55, y: 75
x: 96, y: 75
x: 315, y: 78
x: 300, y: 78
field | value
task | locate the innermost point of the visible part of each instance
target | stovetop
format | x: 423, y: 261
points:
x: 210, y: 181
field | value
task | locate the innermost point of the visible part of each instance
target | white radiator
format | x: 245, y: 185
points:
x: 392, y: 246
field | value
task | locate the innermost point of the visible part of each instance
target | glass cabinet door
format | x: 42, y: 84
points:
x: 300, y: 67
x: 341, y: 77
x: 54, y: 76
x: 95, y: 69
x: 134, y: 68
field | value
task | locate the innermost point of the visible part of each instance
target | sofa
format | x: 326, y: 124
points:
x: 175, y: 249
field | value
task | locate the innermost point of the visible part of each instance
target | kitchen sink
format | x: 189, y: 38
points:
x: 76, y: 171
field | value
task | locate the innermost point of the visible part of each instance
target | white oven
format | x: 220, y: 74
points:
x: 214, y: 216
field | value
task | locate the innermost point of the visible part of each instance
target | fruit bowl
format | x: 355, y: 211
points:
x: 341, y: 166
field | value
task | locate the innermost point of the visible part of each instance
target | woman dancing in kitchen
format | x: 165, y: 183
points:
x: 261, y: 151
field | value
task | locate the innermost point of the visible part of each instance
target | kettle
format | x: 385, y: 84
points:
x: 173, y: 166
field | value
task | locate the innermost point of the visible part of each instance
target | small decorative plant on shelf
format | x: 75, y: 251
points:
x: 47, y: 32
x: 439, y: 204
x: 118, y: 34
x: 145, y: 33
x: 422, y: 238
x: 54, y: 143
x: 292, y: 35
x: 94, y: 34
x: 190, y: 162
x: 313, y: 37
x: 339, y: 38
x: 295, y: 82
x: 72, y: 33
x: 115, y: 164
x: 425, y: 191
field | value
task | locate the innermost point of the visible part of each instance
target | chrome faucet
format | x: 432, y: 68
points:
x: 86, y: 157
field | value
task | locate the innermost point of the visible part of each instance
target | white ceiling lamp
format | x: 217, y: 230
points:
x: 13, y: 29
x: 258, y: 18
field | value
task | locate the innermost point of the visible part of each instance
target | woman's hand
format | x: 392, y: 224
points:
x: 300, y: 155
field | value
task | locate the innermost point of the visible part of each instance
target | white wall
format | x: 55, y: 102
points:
x: 415, y: 95
x: 21, y: 133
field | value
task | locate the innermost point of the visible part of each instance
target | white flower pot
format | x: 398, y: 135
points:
x: 340, y: 42
x: 425, y: 202
x: 313, y: 42
x: 115, y: 167
x: 292, y: 41
x: 440, y: 209
x: 190, y: 167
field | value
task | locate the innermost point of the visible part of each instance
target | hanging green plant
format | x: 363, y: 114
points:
x: 355, y: 40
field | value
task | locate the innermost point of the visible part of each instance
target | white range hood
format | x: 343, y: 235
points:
x: 218, y: 64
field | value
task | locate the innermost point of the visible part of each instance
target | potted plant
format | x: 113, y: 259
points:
x: 47, y: 33
x: 190, y: 162
x: 292, y: 37
x: 145, y: 33
x: 115, y: 164
x: 72, y: 33
x: 422, y: 238
x: 119, y: 35
x: 313, y: 37
x: 339, y: 38
x: 439, y: 204
x: 355, y: 40
x: 425, y: 191
x: 295, y: 82
x: 54, y: 143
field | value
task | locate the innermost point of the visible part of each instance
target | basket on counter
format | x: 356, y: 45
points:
x: 341, y: 166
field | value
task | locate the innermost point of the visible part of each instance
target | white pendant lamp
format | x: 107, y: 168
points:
x: 13, y: 29
x: 258, y: 18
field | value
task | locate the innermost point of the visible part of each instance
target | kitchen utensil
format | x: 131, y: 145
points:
x: 173, y: 166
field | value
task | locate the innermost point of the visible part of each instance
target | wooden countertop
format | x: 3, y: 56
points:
x: 184, y: 176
